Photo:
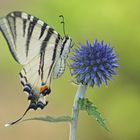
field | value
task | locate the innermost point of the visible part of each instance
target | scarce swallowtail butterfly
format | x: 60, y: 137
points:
x: 41, y: 51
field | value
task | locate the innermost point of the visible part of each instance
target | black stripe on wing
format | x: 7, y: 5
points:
x: 63, y: 45
x: 23, y: 77
x: 43, y: 28
x: 16, y: 14
x: 11, y: 21
x: 54, y: 54
x: 29, y: 34
x: 24, y: 26
x: 41, y: 65
x: 45, y: 41
x: 55, y: 48
x: 42, y: 51
x: 9, y: 45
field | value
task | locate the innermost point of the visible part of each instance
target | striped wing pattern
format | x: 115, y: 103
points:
x: 26, y: 35
x: 61, y: 62
x: 41, y: 51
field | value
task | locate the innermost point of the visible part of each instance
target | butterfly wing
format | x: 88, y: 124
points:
x: 38, y: 73
x: 26, y: 35
x: 60, y: 65
x: 41, y: 51
x: 36, y: 46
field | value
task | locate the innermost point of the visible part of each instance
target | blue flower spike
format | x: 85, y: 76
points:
x: 94, y: 64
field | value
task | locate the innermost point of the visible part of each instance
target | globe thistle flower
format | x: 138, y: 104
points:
x: 94, y: 64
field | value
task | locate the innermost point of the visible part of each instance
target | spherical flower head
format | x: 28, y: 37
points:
x: 94, y: 64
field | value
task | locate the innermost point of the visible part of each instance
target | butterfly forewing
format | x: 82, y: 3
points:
x: 25, y: 35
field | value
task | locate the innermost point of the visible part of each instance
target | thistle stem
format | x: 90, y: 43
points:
x: 75, y: 111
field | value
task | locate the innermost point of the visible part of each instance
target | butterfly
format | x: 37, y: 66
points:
x: 40, y: 50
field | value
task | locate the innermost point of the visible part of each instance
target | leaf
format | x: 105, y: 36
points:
x: 51, y: 119
x: 91, y: 109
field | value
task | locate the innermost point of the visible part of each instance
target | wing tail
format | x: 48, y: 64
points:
x: 14, y: 122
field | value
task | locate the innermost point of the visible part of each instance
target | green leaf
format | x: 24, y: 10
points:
x: 51, y: 119
x: 91, y: 109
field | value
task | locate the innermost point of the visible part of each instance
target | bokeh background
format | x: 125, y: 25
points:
x: 116, y: 22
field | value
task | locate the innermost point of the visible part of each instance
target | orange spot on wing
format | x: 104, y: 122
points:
x: 43, y: 88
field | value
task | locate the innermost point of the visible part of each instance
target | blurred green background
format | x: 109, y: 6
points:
x: 116, y: 22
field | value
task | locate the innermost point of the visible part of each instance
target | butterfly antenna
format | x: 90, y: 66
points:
x: 63, y: 23
x: 12, y: 123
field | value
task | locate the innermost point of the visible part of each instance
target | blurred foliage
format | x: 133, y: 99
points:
x: 116, y: 22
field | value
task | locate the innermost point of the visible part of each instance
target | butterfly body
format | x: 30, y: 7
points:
x: 41, y: 51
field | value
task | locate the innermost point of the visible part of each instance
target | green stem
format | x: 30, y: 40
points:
x: 75, y: 111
